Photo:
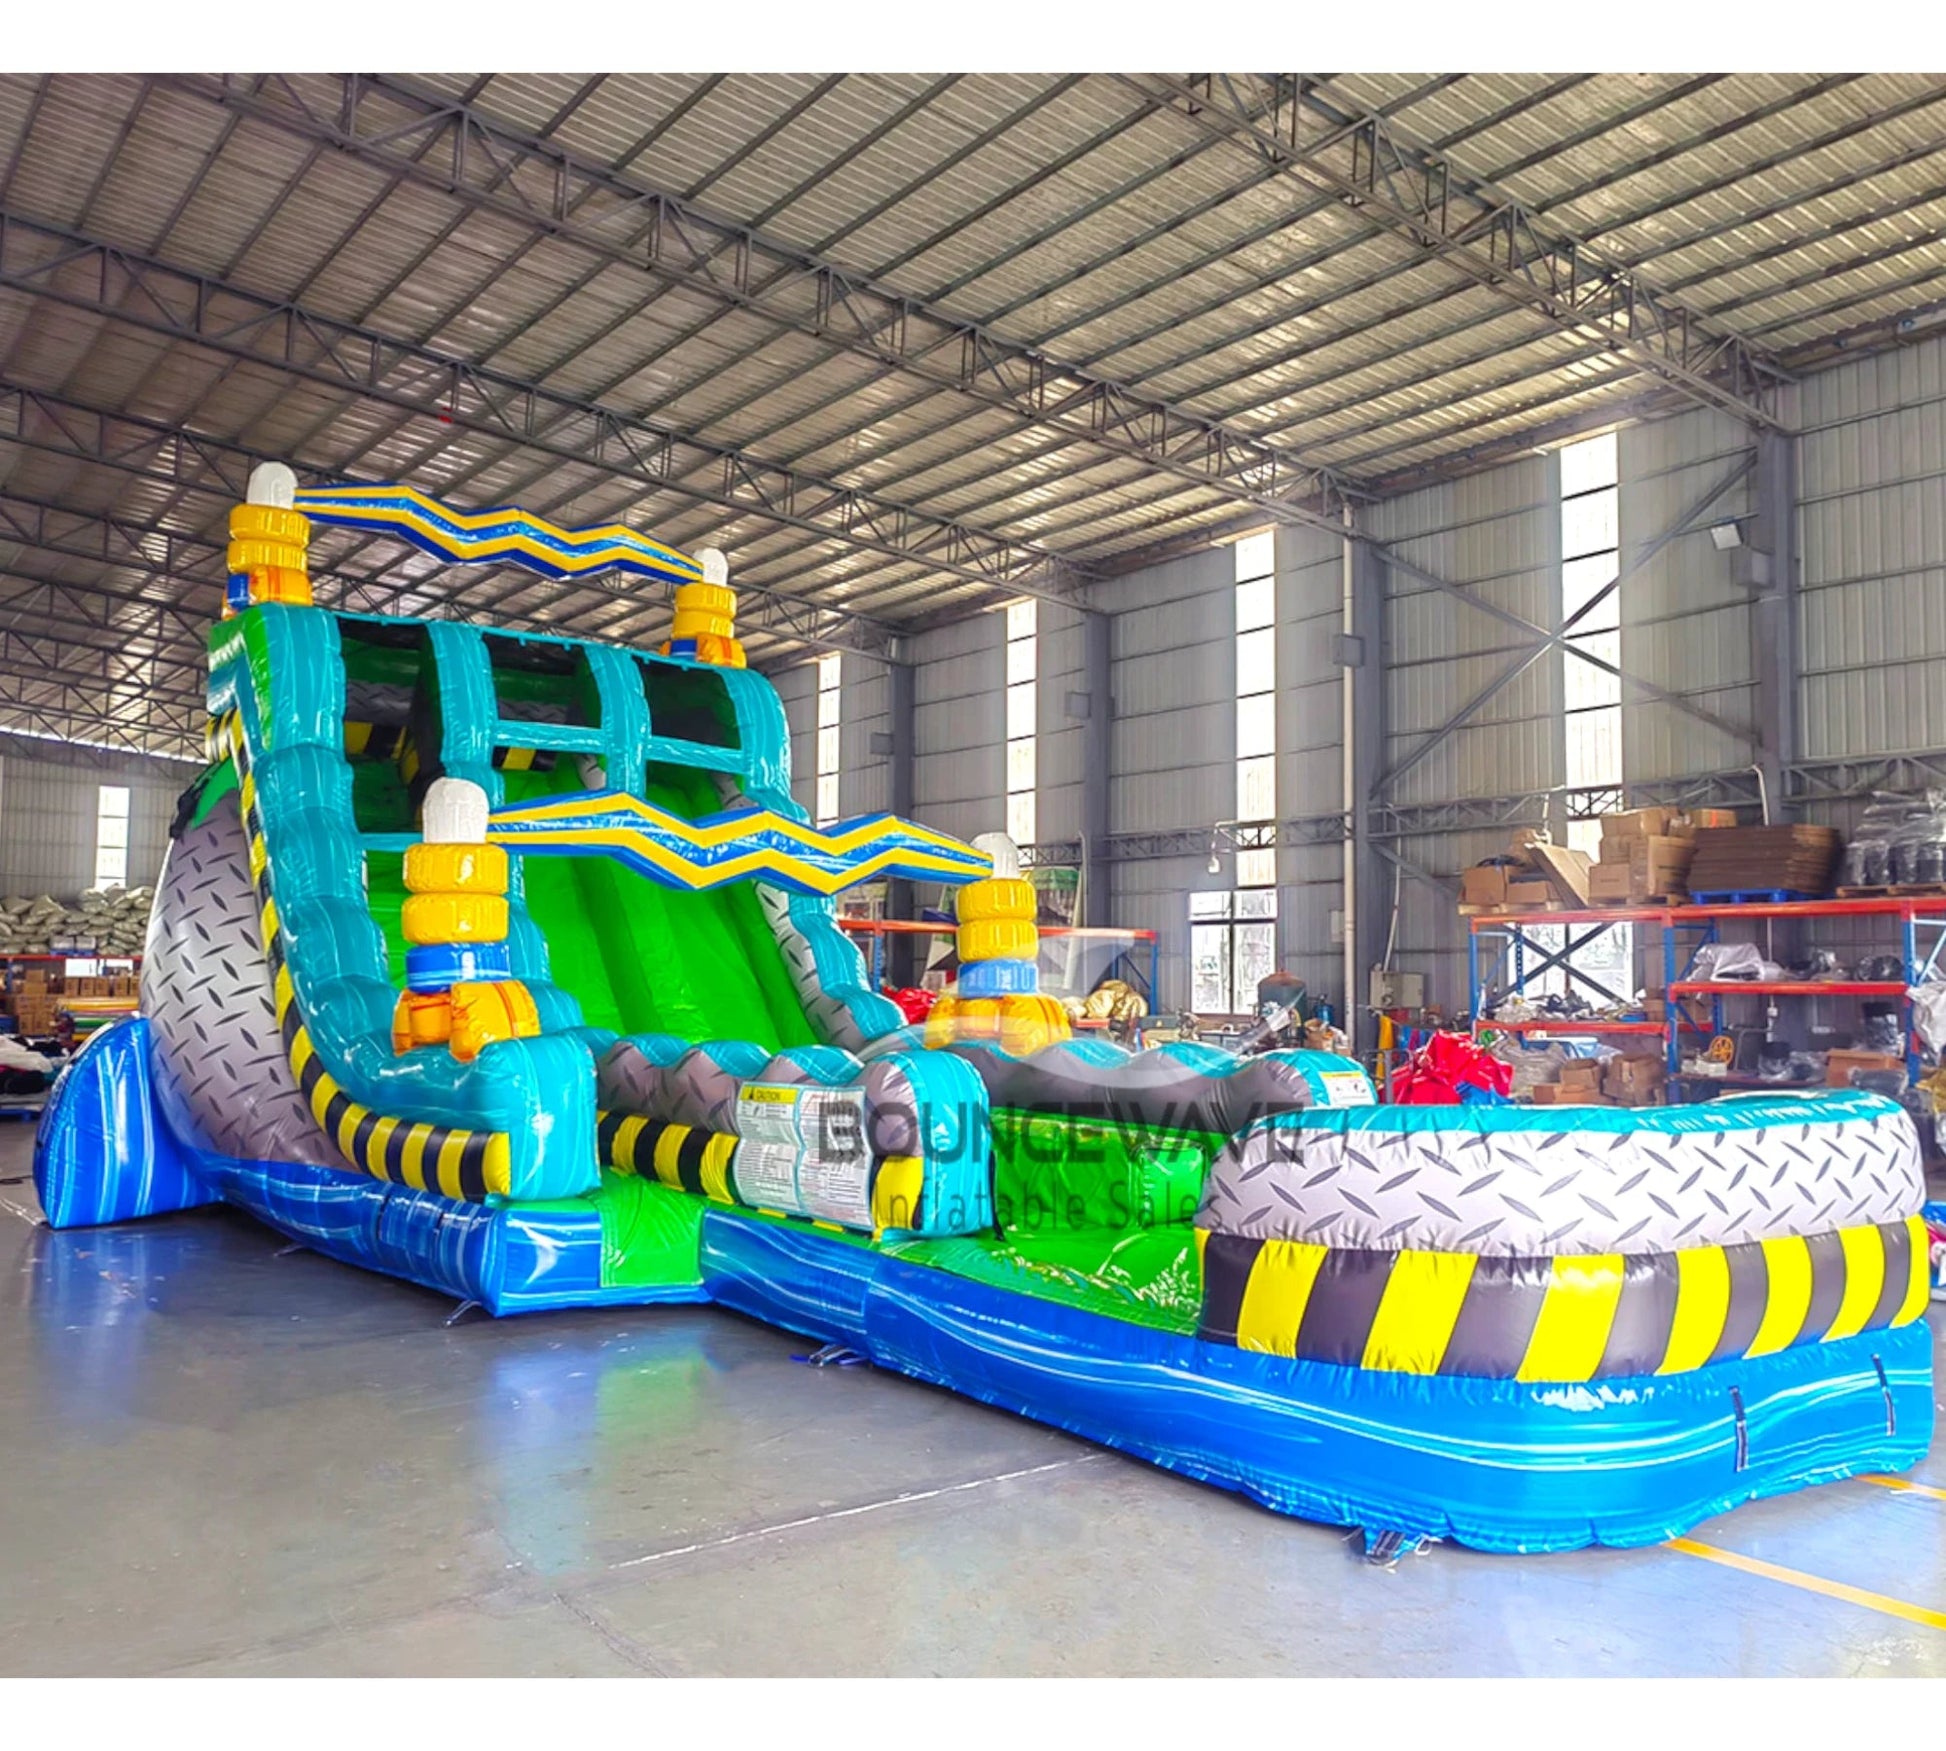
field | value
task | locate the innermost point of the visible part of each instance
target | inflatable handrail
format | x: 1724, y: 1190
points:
x: 927, y: 1108
x: 737, y: 845
x: 512, y: 1125
x: 503, y: 533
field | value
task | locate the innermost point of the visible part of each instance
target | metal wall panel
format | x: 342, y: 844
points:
x: 1872, y: 537
x: 960, y: 724
x: 1172, y: 761
x: 47, y: 823
x: 864, y: 710
x: 797, y: 686
x: 1310, y: 684
x: 1429, y: 934
x: 1060, y: 754
x: 1497, y: 537
x: 1685, y: 618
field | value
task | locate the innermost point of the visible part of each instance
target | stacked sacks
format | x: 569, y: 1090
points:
x: 105, y: 922
x: 117, y: 918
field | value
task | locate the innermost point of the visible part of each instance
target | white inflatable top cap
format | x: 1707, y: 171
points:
x: 716, y: 569
x: 455, y: 813
x: 1004, y: 852
x: 271, y: 483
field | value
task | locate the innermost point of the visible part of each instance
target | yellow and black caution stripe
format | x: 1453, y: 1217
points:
x: 432, y: 1158
x: 1562, y: 1318
x: 692, y: 1159
x: 523, y: 759
x: 684, y: 1156
x: 376, y: 741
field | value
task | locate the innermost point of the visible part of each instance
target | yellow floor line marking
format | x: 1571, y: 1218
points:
x: 1812, y: 1583
x: 1904, y: 1483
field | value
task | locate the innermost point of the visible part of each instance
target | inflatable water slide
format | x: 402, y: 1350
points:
x: 506, y: 964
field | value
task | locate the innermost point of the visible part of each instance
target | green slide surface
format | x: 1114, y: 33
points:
x: 642, y: 958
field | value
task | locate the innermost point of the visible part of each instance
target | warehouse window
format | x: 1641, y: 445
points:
x: 1256, y: 635
x: 831, y: 676
x: 1023, y: 670
x: 111, y: 836
x: 1591, y: 697
x: 1232, y: 944
x: 1590, y: 619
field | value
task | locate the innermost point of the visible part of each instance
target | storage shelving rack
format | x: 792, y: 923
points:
x: 1498, y: 942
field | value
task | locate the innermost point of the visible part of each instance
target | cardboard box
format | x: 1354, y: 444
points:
x: 1712, y: 818
x: 1566, y: 869
x: 1609, y: 881
x: 1639, y: 823
x: 1484, y: 885
x: 1635, y: 1079
x: 1530, y: 891
x: 1560, y: 1094
x: 1839, y: 1065
x: 1661, y: 851
x: 1580, y: 1070
x: 1657, y: 864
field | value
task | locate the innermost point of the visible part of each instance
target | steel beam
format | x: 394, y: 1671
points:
x: 1398, y: 187
x: 486, y: 165
x: 901, y: 709
x: 1146, y: 847
x: 1732, y: 789
x: 1097, y: 748
x: 160, y: 298
x: 1768, y: 569
x: 1848, y: 778
x: 150, y: 450
x: 1367, y: 897
x: 14, y: 744
x: 1546, y: 641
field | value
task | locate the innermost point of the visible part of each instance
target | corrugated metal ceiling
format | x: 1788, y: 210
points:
x: 1195, y: 250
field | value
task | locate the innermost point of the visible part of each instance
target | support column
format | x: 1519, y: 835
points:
x: 1097, y: 667
x: 1768, y: 569
x: 1368, y: 878
x: 900, y: 695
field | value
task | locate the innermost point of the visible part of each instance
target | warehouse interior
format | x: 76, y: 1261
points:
x: 1273, y: 501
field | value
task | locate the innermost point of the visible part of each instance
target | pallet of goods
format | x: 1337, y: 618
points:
x: 1898, y: 850
x: 39, y: 994
x: 1736, y: 865
x: 1531, y: 875
x: 1645, y: 856
x: 104, y: 921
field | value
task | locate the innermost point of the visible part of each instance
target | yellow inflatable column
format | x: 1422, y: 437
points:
x: 998, y: 994
x: 269, y: 543
x: 460, y: 990
x: 705, y: 624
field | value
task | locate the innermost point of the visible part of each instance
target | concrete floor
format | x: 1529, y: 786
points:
x: 217, y: 1460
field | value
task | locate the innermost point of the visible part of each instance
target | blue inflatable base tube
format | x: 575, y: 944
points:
x: 1495, y: 1465
x: 105, y: 1154
x: 513, y: 1259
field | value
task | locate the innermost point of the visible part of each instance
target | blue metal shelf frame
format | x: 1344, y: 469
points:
x: 1922, y: 941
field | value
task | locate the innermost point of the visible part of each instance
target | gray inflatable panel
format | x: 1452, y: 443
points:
x: 700, y: 1088
x: 221, y: 1073
x: 1656, y: 1180
x: 1199, y: 1089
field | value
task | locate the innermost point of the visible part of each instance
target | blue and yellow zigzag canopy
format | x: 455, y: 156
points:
x: 739, y: 845
x: 505, y: 533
